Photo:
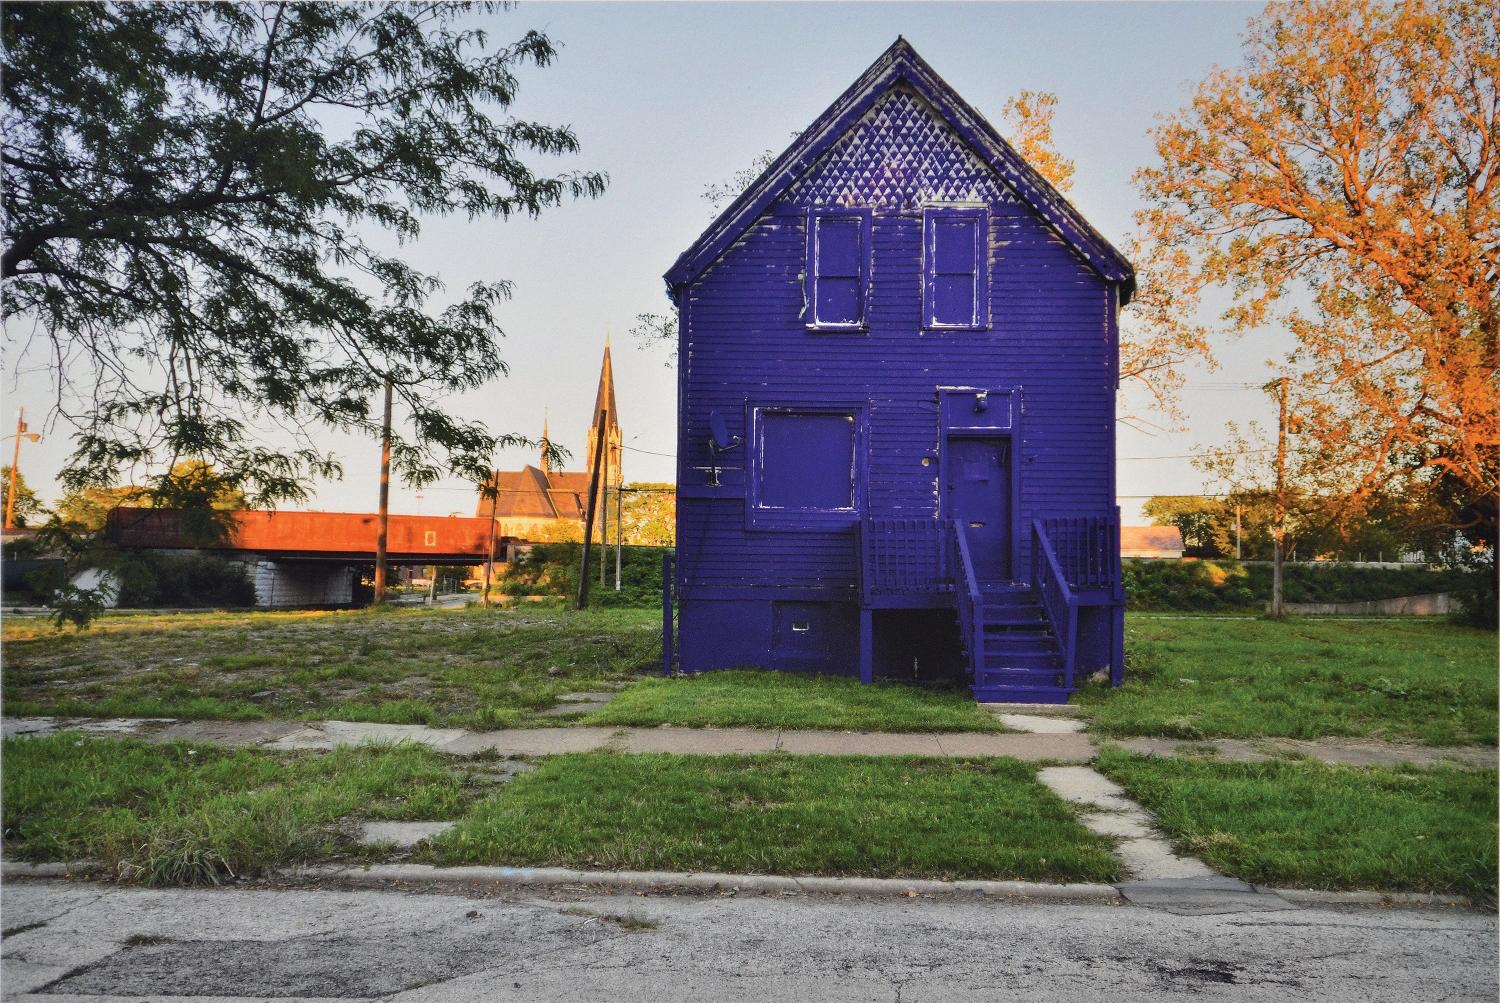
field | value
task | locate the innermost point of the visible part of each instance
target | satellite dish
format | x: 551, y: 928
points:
x: 722, y: 440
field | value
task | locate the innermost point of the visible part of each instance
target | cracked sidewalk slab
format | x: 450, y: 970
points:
x: 1333, y: 751
x: 1145, y: 852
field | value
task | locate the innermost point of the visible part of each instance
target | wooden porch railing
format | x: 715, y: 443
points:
x: 966, y: 591
x: 1087, y: 548
x: 1058, y: 599
x: 902, y: 557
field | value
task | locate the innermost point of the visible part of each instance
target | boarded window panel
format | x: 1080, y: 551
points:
x: 806, y: 461
x: 954, y: 247
x: 839, y: 247
x: 953, y: 299
x: 955, y: 283
x: 838, y: 301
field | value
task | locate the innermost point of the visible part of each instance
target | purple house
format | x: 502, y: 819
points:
x: 896, y: 405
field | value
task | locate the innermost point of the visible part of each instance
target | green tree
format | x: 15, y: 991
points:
x: 650, y: 515
x: 87, y: 509
x: 190, y: 193
x: 1340, y: 184
x: 1194, y: 516
x: 27, y: 503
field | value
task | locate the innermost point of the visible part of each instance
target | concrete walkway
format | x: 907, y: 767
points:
x: 1041, y: 736
x: 324, y: 735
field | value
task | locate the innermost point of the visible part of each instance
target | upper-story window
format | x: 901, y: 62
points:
x: 838, y: 268
x: 955, y: 273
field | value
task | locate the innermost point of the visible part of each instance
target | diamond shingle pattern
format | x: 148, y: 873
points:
x: 899, y: 155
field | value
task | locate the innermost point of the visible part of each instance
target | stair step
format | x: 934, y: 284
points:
x: 994, y: 614
x: 1014, y: 620
x: 1019, y: 642
x: 1028, y: 663
x: 1020, y: 694
x: 1005, y: 600
x: 1020, y: 674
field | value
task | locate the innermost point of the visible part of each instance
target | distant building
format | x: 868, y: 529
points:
x: 1161, y: 542
x: 539, y: 503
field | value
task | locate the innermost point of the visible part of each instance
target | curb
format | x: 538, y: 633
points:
x: 1316, y: 896
x: 379, y: 875
x: 758, y: 884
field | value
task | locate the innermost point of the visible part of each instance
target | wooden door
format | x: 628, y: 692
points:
x: 978, y: 489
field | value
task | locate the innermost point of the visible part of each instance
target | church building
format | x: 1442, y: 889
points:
x: 538, y: 503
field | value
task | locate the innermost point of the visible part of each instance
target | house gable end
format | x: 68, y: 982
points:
x: 950, y: 153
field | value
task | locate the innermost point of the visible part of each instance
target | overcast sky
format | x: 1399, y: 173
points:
x: 667, y: 98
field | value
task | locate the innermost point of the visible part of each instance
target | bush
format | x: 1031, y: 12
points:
x: 1227, y: 586
x: 150, y: 580
x: 1475, y: 590
x: 551, y: 569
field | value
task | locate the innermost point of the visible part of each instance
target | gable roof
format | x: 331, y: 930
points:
x: 532, y: 493
x: 897, y: 65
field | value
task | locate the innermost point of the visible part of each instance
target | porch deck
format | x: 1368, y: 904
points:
x: 1021, y: 635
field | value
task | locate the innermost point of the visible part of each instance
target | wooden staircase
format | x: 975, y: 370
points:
x: 1021, y: 660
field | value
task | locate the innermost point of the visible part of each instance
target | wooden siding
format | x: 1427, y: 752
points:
x: 743, y: 343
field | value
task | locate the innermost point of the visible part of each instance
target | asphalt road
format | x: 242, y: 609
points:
x: 74, y: 941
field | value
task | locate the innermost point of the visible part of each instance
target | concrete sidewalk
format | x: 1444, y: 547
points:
x: 324, y: 735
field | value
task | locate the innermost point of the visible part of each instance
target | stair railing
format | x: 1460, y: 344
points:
x: 966, y: 590
x: 1057, y: 596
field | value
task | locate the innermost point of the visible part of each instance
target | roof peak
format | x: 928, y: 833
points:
x: 901, y: 64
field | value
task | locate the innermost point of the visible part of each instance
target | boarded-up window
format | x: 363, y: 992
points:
x: 955, y: 255
x: 838, y: 251
x: 805, y: 461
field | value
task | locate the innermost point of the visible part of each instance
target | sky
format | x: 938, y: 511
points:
x: 668, y: 98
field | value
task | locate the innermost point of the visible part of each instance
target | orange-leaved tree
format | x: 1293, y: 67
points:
x: 1341, y: 183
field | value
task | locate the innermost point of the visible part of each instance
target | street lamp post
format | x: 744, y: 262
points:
x: 15, y: 466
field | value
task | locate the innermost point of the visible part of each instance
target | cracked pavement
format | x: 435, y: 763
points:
x: 70, y: 942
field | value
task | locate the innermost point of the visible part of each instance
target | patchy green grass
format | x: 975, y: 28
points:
x: 780, y: 814
x: 754, y: 699
x: 195, y: 813
x: 474, y: 668
x: 1305, y: 824
x: 1400, y: 680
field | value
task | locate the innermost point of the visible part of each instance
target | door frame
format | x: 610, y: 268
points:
x: 1000, y: 420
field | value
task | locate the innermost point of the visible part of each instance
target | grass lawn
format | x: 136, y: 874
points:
x: 751, y: 699
x: 782, y: 815
x: 1397, y: 679
x: 193, y: 814
x: 476, y: 668
x: 1305, y: 824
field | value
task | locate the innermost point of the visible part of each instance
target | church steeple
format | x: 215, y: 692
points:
x: 604, y: 404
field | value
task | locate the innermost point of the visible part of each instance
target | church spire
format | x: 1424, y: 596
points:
x: 604, y: 404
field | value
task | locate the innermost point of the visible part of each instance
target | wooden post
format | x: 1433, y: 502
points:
x: 15, y: 465
x: 867, y: 646
x: 384, y: 518
x: 489, y: 554
x: 1278, y: 609
x: 619, y: 530
x: 588, y: 519
x: 667, y: 583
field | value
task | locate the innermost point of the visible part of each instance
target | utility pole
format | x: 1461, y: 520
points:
x: 1237, y: 551
x: 1278, y: 609
x: 384, y: 518
x: 603, y: 517
x: 619, y: 529
x: 489, y: 554
x: 588, y: 519
x: 15, y: 466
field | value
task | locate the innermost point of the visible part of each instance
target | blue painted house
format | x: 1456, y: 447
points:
x: 896, y: 406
